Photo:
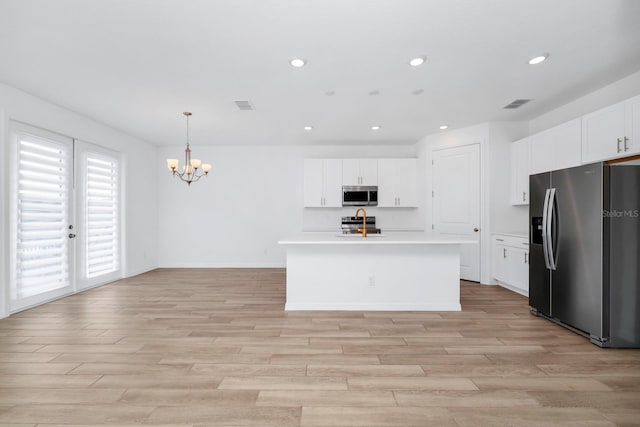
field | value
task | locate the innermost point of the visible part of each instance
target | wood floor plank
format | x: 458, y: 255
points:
x: 374, y: 417
x: 530, y: 417
x: 298, y: 398
x: 209, y: 415
x: 283, y: 383
x: 465, y: 399
x: 410, y: 383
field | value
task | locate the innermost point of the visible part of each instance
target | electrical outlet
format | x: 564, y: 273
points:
x: 372, y: 281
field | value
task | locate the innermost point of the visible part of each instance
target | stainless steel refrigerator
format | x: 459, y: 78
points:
x: 584, y: 235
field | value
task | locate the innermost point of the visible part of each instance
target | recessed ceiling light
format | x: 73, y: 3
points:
x: 308, y: 128
x: 443, y: 127
x: 375, y: 127
x: 538, y: 59
x: 297, y: 62
x: 415, y: 62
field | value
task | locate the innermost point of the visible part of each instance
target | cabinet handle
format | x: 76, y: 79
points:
x: 525, y: 258
x: 626, y: 145
x: 504, y: 252
x: 524, y: 196
x: 398, y: 201
x: 500, y: 240
x: 619, y: 141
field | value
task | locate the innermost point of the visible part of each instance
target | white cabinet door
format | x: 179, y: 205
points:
x: 313, y: 180
x: 567, y: 144
x: 632, y: 123
x: 387, y: 183
x: 360, y: 172
x: 541, y: 152
x: 407, y: 182
x: 557, y: 148
x: 369, y: 172
x: 351, y: 172
x: 499, y: 268
x: 520, y: 172
x: 397, y: 185
x: 603, y: 134
x: 322, y: 183
x: 332, y: 183
x: 518, y: 267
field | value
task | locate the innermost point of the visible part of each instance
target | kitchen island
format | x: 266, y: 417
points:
x: 407, y: 271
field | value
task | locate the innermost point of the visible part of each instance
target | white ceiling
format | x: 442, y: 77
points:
x: 138, y: 64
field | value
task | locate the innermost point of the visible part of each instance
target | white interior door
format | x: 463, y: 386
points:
x: 456, y: 202
x: 41, y: 251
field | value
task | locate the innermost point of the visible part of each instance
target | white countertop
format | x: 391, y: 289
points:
x: 522, y: 234
x: 387, y: 238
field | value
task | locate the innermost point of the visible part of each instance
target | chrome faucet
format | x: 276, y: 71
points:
x: 362, y: 230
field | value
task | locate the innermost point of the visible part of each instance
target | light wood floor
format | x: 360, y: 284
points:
x: 215, y: 347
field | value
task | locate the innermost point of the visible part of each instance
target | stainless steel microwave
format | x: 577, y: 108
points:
x: 360, y: 195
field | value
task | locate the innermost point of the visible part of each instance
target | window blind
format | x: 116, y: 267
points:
x: 43, y: 209
x: 102, y: 215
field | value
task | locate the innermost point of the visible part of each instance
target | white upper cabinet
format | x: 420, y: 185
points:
x: 360, y: 172
x: 397, y: 183
x: 519, y: 194
x: 322, y: 183
x: 557, y: 148
x: 611, y: 132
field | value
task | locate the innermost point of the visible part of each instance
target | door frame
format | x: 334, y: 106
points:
x: 4, y: 215
x: 458, y: 140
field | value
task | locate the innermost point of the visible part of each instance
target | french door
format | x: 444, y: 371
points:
x: 60, y: 189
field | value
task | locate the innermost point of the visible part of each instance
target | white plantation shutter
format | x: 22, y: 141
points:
x: 41, y: 212
x: 102, y: 218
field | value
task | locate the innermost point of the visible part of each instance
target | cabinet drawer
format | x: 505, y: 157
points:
x: 513, y: 241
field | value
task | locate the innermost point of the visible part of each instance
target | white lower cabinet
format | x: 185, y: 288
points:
x: 510, y: 262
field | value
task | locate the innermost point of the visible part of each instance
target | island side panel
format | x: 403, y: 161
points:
x: 373, y: 277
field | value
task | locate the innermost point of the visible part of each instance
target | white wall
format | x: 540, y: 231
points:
x: 252, y: 198
x: 603, y: 97
x: 139, y: 183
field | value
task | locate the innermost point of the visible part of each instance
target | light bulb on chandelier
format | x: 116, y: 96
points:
x: 193, y: 169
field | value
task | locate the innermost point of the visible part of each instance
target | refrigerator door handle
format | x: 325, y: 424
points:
x: 545, y: 241
x: 551, y: 210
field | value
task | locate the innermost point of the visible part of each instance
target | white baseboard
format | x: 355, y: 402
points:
x: 371, y: 307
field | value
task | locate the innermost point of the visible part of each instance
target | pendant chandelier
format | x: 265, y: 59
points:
x: 191, y: 171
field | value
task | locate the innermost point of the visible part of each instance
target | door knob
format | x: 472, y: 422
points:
x: 71, y: 235
x: 476, y: 229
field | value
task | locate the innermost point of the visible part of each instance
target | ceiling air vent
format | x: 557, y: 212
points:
x: 516, y: 104
x: 244, y: 105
